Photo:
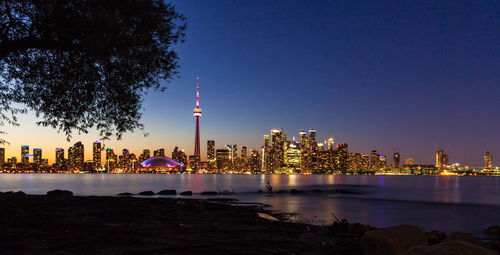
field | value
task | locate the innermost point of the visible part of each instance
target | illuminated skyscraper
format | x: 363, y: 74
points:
x: 439, y: 158
x: 342, y: 152
x: 396, y: 160
x: 60, y: 156
x: 255, y: 164
x: 146, y: 153
x: 277, y: 151
x: 222, y: 159
x: 2, y: 155
x: 96, y: 153
x: 331, y: 145
x: 488, y: 160
x: 312, y: 139
x: 78, y: 155
x: 292, y: 156
x: 265, y: 155
x: 374, y: 161
x: 244, y: 153
x: 25, y: 151
x: 210, y: 150
x: 382, y: 161
x: 37, y: 157
x: 365, y: 162
x: 303, y: 140
x: 126, y: 160
x: 197, y: 115
x: 110, y: 160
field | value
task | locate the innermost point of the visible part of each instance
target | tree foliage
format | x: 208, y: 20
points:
x: 82, y: 64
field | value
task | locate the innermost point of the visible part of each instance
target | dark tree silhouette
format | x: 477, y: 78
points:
x: 82, y: 64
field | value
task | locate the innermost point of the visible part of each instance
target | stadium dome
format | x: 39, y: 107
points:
x: 160, y: 164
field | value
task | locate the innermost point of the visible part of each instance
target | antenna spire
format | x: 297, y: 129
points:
x: 197, y: 92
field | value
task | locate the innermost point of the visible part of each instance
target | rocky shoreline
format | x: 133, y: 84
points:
x: 60, y: 223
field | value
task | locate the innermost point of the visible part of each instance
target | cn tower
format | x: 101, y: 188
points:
x: 197, y: 115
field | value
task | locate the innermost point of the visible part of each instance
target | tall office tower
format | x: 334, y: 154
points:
x: 374, y: 161
x: 277, y: 151
x: 78, y: 153
x: 222, y: 159
x: 244, y: 153
x: 210, y: 150
x: 146, y: 153
x: 265, y: 155
x: 488, y: 160
x: 126, y: 159
x: 194, y: 163
x: 365, y: 162
x: 343, y: 156
x: 197, y: 115
x: 255, y: 164
x: 331, y: 145
x: 312, y: 139
x: 382, y: 160
x: 2, y: 155
x: 262, y: 158
x: 25, y: 151
x: 37, y: 157
x: 175, y: 154
x: 409, y: 162
x: 161, y: 152
x: 59, y: 156
x: 303, y: 140
x: 12, y: 161
x: 321, y: 146
x: 71, y: 159
x: 292, y: 156
x: 234, y: 153
x: 439, y: 158
x: 110, y: 160
x: 96, y: 154
x: 396, y: 160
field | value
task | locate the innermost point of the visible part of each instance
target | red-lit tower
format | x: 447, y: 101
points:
x: 197, y: 115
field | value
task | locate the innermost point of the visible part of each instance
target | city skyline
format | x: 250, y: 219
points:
x: 394, y: 159
x: 420, y: 85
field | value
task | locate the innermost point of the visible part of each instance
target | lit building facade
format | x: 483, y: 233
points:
x: 488, y: 160
x: 96, y: 154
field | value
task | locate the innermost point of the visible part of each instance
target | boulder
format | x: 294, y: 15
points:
x: 19, y: 193
x: 434, y: 237
x: 450, y: 247
x: 167, y: 192
x: 464, y: 237
x: 493, y: 231
x: 125, y: 194
x: 209, y: 193
x: 187, y: 193
x: 59, y: 193
x: 146, y: 193
x: 296, y: 191
x: 392, y: 240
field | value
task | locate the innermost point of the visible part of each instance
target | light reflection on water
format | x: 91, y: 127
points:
x: 446, y: 203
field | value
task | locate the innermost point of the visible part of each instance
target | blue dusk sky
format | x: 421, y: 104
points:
x: 410, y: 76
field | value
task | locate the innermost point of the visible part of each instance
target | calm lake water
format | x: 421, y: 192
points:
x: 445, y: 203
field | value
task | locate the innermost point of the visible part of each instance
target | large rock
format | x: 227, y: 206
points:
x: 146, y: 193
x: 451, y: 247
x: 392, y: 240
x: 434, y: 237
x: 464, y: 237
x: 493, y: 231
x: 59, y: 193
